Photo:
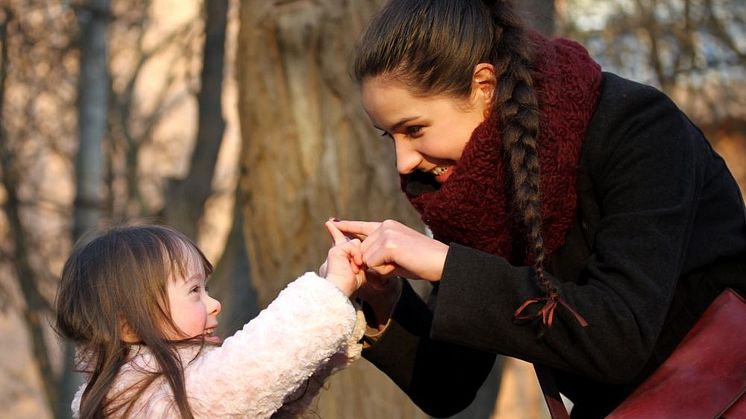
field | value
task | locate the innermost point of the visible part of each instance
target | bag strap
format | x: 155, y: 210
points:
x: 552, y: 396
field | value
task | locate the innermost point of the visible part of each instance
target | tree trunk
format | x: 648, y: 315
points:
x: 35, y: 309
x: 186, y: 197
x: 231, y: 281
x: 93, y: 89
x: 310, y: 153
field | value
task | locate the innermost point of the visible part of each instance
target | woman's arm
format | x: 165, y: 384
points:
x: 440, y: 377
x: 648, y: 166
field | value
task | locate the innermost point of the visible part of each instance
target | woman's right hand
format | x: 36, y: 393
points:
x: 391, y: 248
x: 379, y: 293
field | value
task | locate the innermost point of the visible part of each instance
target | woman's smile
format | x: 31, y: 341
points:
x: 442, y: 173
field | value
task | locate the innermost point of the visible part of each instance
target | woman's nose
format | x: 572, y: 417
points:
x: 407, y: 159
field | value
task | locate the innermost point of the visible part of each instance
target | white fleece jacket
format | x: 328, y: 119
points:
x: 273, y: 367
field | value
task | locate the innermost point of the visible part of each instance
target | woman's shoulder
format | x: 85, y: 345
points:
x: 633, y: 115
x: 624, y: 102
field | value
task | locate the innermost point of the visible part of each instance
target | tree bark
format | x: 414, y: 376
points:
x: 310, y: 153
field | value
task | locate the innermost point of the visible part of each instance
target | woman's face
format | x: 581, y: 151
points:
x: 429, y: 133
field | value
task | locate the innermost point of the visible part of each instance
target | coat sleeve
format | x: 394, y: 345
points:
x: 441, y: 378
x: 649, y: 168
x: 307, y: 329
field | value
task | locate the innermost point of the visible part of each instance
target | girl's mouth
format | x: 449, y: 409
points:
x: 210, y: 337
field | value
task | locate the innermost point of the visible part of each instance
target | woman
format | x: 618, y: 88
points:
x: 566, y: 203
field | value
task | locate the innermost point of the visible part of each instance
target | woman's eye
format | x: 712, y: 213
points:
x: 385, y: 134
x: 414, y: 130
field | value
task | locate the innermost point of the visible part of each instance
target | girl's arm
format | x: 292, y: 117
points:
x: 310, y: 328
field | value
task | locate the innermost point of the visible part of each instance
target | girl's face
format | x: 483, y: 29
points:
x: 429, y: 133
x: 193, y: 311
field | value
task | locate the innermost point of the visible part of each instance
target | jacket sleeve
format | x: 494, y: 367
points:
x: 441, y: 378
x: 648, y: 169
x: 307, y: 329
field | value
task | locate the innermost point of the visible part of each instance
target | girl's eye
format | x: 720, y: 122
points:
x: 194, y: 289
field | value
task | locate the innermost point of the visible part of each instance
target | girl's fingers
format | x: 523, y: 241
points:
x: 323, y: 269
x: 356, y: 252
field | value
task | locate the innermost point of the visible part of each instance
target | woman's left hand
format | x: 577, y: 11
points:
x: 391, y: 248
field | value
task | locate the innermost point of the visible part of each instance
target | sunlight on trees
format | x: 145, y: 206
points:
x: 303, y: 151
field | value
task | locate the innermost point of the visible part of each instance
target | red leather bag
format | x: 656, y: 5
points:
x: 705, y: 376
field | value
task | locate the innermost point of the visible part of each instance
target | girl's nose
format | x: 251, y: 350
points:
x: 407, y: 159
x: 214, y: 305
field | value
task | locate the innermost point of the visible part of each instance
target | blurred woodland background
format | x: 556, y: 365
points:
x: 237, y: 123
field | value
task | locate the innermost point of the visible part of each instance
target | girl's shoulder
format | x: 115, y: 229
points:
x: 138, y: 381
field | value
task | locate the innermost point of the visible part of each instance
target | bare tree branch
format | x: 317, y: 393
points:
x: 718, y: 30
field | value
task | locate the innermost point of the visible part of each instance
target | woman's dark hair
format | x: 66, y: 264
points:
x: 432, y: 46
x: 115, y: 280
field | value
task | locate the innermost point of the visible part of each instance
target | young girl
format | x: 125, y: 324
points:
x: 135, y: 301
x: 565, y: 202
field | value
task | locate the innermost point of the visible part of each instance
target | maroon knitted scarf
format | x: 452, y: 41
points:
x: 473, y: 207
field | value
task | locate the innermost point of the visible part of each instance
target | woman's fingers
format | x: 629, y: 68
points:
x: 336, y: 234
x: 392, y: 248
x: 395, y: 248
x: 360, y: 229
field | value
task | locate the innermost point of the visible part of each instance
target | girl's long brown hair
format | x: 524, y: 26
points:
x: 119, y: 278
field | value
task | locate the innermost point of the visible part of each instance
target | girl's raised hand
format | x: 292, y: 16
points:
x: 343, y: 265
x: 391, y: 248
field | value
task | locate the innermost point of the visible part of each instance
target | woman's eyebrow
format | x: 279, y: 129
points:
x: 399, y: 123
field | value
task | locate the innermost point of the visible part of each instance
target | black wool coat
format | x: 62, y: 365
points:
x: 661, y: 230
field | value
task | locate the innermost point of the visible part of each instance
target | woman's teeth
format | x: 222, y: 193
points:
x: 439, y: 170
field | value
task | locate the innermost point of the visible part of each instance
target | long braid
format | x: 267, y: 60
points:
x: 518, y: 109
x: 519, y: 121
